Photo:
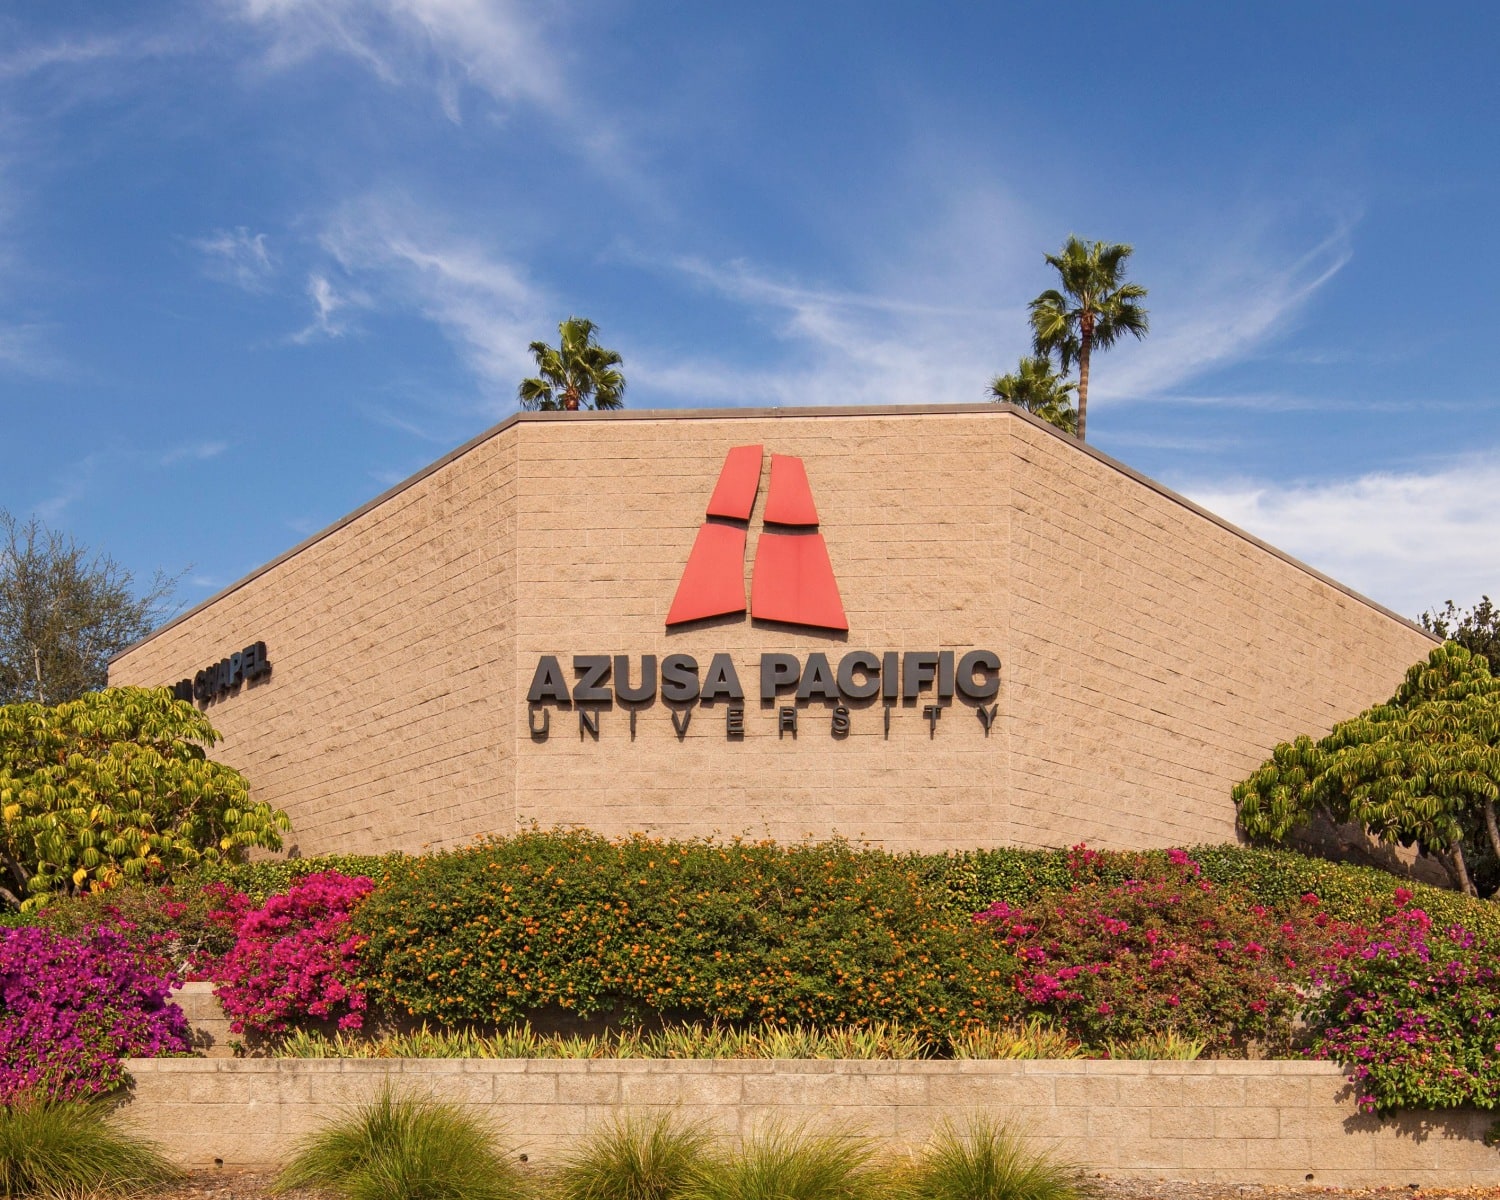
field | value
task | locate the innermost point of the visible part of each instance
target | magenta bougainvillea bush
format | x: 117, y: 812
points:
x: 294, y: 957
x: 73, y: 1006
x: 1414, y: 1012
x: 1168, y: 950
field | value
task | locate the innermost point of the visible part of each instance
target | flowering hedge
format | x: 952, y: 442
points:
x: 1414, y: 1010
x: 1167, y: 950
x: 71, y: 1007
x: 810, y: 934
x: 295, y: 957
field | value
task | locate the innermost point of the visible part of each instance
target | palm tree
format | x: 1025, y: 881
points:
x: 1037, y: 388
x: 578, y: 373
x: 1093, y: 309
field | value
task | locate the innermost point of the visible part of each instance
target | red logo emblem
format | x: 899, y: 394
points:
x: 792, y: 582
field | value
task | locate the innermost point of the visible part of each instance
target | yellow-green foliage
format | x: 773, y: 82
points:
x: 117, y: 785
x: 1420, y: 768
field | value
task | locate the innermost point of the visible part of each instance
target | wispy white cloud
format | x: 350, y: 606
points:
x: 1228, y: 306
x: 237, y: 256
x: 484, y: 305
x: 505, y: 51
x: 331, y: 310
x: 495, y: 45
x: 86, y: 51
x: 1409, y: 539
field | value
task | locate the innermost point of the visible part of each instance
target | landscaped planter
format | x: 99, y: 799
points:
x: 1231, y: 1120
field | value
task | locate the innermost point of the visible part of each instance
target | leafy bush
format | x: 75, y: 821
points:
x: 60, y: 1150
x: 406, y: 1148
x: 192, y: 925
x: 1414, y: 1010
x: 72, y: 1007
x: 784, y: 1163
x: 295, y: 957
x: 271, y: 877
x: 116, y: 786
x: 659, y: 1158
x: 1423, y: 768
x: 1166, y: 951
x: 816, y: 934
x: 983, y: 1160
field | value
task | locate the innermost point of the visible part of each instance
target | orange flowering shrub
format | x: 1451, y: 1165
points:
x: 813, y: 934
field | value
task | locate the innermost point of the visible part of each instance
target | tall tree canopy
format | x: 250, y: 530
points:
x: 1040, y: 390
x: 1422, y: 768
x: 1476, y: 629
x: 577, y: 373
x: 1092, y: 310
x: 64, y: 613
x: 116, y: 785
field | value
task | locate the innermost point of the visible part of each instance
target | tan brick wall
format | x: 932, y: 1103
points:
x: 1151, y: 656
x: 1263, y: 1122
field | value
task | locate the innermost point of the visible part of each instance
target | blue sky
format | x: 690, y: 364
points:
x: 259, y: 259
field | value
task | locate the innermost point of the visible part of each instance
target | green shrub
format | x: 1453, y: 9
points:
x: 983, y: 1160
x: 60, y: 1150
x: 658, y: 1158
x: 116, y: 786
x: 788, y: 1163
x: 407, y: 1148
x: 818, y: 934
x: 262, y: 880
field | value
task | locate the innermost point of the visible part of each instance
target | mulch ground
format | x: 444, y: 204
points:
x: 256, y: 1185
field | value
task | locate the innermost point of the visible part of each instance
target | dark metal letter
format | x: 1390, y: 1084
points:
x: 945, y: 675
x: 919, y: 667
x: 539, y: 735
x: 635, y: 695
x: 840, y: 721
x: 864, y: 661
x: 588, y: 722
x: 547, y: 683
x: 890, y: 676
x: 591, y: 687
x: 734, y: 721
x: 970, y: 667
x: 723, y: 683
x: 887, y: 722
x: 777, y: 671
x: 987, y: 716
x: 786, y: 721
x: 817, y: 680
x: 679, y: 678
x: 933, y: 713
x: 682, y: 725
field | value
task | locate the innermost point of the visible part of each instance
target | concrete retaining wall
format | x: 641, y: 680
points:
x: 1270, y: 1122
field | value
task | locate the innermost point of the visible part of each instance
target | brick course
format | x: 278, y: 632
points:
x: 1151, y: 655
x: 1230, y: 1121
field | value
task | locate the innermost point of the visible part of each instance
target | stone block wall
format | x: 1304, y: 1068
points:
x: 1230, y: 1121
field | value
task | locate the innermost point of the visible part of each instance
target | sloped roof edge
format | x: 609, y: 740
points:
x: 723, y: 414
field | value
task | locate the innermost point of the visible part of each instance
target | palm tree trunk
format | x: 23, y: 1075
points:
x: 1083, y: 386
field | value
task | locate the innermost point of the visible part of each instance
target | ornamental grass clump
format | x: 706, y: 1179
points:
x: 658, y: 1158
x: 404, y: 1148
x: 64, y: 1149
x: 984, y: 1160
x: 1031, y: 1038
x: 790, y: 1163
x: 71, y: 1008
